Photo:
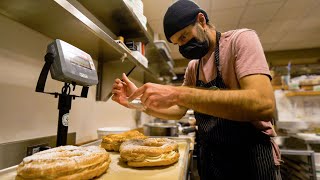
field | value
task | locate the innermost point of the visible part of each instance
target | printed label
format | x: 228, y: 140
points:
x: 83, y: 75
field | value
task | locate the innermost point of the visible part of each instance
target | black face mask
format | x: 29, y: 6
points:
x: 194, y: 49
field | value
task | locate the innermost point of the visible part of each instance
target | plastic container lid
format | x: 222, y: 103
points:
x: 113, y: 129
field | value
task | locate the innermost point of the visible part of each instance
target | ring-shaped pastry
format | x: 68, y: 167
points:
x: 65, y: 162
x: 149, y: 152
x: 112, y: 142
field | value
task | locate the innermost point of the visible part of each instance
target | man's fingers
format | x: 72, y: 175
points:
x: 115, y: 91
x: 146, y: 103
x: 137, y: 93
x: 124, y: 83
x: 117, y: 86
x: 143, y: 98
x: 117, y: 80
x: 115, y: 97
x: 125, y: 78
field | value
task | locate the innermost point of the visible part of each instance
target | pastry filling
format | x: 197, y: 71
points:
x: 160, y: 157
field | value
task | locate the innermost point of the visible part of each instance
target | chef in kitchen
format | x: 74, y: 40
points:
x: 227, y: 84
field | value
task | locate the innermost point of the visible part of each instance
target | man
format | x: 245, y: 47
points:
x: 227, y: 85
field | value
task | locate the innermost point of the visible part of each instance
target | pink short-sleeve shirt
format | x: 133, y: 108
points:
x: 241, y: 54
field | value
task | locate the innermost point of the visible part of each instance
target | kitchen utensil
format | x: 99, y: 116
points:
x: 110, y: 94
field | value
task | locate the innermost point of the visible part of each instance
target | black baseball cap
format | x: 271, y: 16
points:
x: 180, y: 15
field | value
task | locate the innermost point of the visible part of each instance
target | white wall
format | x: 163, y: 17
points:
x: 25, y: 114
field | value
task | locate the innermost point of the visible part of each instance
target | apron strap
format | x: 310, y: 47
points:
x: 216, y: 51
x: 216, y: 56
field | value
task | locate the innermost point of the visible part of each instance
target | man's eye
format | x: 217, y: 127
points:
x: 183, y: 38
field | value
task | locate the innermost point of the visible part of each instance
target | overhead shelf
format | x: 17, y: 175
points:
x: 55, y: 21
x: 71, y: 22
x: 118, y: 17
x: 122, y: 21
x: 158, y: 61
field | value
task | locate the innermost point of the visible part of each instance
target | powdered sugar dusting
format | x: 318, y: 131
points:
x: 61, y: 161
x: 64, y: 152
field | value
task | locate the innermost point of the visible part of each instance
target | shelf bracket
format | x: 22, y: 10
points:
x: 123, y: 57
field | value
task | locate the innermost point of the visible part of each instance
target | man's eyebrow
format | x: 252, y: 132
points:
x: 184, y: 32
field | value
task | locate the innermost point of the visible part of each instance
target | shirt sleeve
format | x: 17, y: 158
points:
x: 249, y: 55
x: 190, y: 74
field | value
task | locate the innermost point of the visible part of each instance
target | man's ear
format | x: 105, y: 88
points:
x: 201, y: 19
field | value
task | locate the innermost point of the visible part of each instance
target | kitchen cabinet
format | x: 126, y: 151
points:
x: 93, y: 26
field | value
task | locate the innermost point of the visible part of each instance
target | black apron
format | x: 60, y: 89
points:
x: 229, y: 149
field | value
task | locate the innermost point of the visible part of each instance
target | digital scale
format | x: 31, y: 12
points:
x: 72, y: 66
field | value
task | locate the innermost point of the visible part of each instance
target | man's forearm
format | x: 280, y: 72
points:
x: 173, y: 113
x: 239, y: 105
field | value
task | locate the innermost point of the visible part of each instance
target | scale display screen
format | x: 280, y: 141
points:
x: 71, y: 64
x: 78, y: 60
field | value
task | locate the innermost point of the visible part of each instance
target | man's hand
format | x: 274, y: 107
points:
x: 122, y: 89
x: 155, y: 96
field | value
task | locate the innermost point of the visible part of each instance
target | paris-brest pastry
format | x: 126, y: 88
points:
x: 149, y: 152
x: 65, y: 162
x: 112, y: 142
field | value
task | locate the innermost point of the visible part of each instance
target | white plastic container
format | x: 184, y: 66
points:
x: 161, y: 44
x: 141, y: 58
x: 111, y: 130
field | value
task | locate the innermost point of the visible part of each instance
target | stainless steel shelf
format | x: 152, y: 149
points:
x: 122, y: 21
x: 118, y: 17
x: 158, y: 61
x: 53, y: 19
x: 72, y: 22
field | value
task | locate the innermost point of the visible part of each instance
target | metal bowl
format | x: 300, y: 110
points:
x: 161, y: 129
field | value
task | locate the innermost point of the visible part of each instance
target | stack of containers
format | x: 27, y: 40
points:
x: 137, y: 8
x: 138, y: 50
x: 165, y: 50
